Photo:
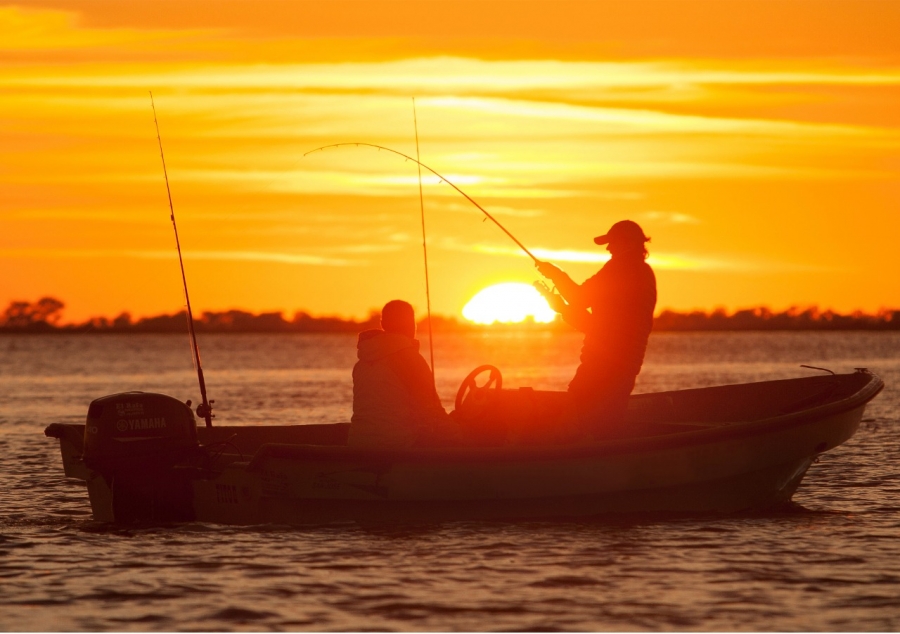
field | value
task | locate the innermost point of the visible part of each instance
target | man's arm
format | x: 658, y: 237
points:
x: 579, y: 318
x: 570, y: 291
x: 574, y: 316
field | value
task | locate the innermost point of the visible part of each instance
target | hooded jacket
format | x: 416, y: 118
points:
x: 394, y: 400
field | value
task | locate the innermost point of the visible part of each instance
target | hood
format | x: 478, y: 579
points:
x: 376, y: 344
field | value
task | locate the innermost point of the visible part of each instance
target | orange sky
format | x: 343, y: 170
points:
x: 756, y: 142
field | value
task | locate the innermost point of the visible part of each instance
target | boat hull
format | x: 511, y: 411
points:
x: 730, y: 467
x: 296, y: 486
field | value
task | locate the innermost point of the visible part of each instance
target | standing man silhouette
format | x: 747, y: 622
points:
x: 614, y: 310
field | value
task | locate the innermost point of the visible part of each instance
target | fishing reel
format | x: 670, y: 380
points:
x: 543, y: 289
x: 203, y: 410
x: 551, y: 294
x: 554, y: 299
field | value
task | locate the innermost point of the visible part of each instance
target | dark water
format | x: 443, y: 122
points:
x: 833, y: 564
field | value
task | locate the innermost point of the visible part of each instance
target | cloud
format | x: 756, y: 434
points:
x: 398, y: 243
x: 448, y: 75
x: 660, y: 261
x: 345, y: 183
x: 243, y: 256
x: 26, y: 30
x: 495, y: 210
x: 669, y: 216
x: 636, y: 120
x: 266, y: 256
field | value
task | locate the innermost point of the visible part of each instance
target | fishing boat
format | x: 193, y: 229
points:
x: 722, y: 449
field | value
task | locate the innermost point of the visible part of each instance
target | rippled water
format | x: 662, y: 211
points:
x: 832, y: 564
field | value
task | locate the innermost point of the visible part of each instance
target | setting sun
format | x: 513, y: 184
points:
x: 512, y: 302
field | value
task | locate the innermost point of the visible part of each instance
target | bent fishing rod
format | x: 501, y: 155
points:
x: 443, y: 178
x: 204, y: 410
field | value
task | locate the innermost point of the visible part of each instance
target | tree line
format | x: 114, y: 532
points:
x: 45, y: 316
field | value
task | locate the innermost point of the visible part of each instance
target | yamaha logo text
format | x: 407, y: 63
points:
x: 141, y: 423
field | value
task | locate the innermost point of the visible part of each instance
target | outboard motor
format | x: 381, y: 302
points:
x: 144, y: 445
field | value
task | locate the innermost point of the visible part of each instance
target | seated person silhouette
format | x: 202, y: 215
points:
x: 614, y: 310
x: 395, y: 403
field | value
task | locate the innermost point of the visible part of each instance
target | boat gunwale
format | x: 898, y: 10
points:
x: 674, y: 440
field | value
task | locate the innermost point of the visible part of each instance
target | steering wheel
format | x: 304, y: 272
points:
x: 479, y: 393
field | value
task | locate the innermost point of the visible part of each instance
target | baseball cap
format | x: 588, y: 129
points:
x: 623, y: 231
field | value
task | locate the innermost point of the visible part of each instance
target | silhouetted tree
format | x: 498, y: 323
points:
x: 122, y: 322
x: 44, y: 313
x: 162, y: 323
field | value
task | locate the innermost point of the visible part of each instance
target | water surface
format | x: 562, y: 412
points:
x: 833, y: 564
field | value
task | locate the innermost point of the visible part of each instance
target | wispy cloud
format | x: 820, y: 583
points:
x: 243, y: 256
x: 396, y: 243
x: 38, y: 29
x: 635, y: 120
x: 450, y: 75
x: 661, y: 261
x: 266, y: 256
x: 669, y: 216
x: 495, y: 210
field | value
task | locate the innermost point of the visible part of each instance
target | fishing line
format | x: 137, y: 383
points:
x: 443, y: 178
x: 204, y: 410
x: 424, y: 248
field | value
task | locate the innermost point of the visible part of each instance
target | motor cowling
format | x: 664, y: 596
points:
x: 143, y: 444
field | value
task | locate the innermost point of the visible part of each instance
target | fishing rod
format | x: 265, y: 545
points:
x: 204, y: 410
x: 443, y: 178
x: 424, y: 248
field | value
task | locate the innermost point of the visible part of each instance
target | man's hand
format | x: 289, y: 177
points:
x: 554, y: 300
x: 557, y: 303
x: 547, y: 270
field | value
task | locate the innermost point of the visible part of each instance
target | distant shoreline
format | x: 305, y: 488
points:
x: 44, y: 316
